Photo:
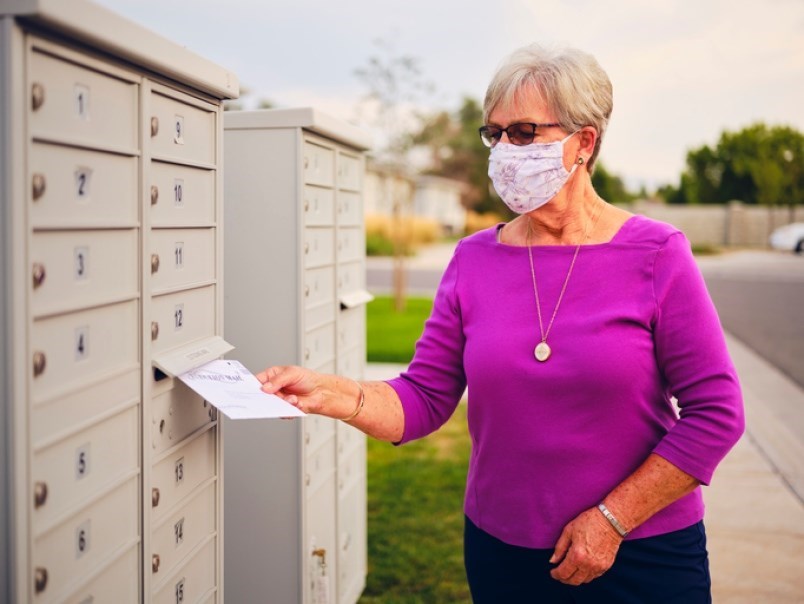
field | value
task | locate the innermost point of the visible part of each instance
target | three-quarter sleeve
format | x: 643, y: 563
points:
x: 695, y: 364
x: 434, y: 383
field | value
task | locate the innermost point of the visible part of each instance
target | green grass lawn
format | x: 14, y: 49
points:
x: 415, y: 492
x: 391, y: 335
x: 415, y: 518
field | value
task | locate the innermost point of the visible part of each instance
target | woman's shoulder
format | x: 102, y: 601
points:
x: 479, y: 239
x: 649, y: 232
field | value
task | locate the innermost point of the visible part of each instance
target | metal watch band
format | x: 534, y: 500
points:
x: 613, y: 521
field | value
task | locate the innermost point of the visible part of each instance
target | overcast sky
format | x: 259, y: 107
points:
x: 682, y: 70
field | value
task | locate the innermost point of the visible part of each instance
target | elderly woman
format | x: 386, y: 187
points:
x: 574, y: 327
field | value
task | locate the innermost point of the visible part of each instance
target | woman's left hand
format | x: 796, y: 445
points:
x: 586, y: 549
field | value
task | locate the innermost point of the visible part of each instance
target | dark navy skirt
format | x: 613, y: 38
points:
x: 666, y: 569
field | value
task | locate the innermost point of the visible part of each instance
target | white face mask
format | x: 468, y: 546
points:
x: 528, y: 176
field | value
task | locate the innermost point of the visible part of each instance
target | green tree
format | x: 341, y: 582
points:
x: 457, y: 152
x: 610, y: 186
x: 756, y: 165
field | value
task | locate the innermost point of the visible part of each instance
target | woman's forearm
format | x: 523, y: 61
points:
x: 381, y: 416
x: 654, y: 485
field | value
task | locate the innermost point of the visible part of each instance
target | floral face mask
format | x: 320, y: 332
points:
x: 528, y: 176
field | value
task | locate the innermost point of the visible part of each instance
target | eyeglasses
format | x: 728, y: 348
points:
x: 518, y: 134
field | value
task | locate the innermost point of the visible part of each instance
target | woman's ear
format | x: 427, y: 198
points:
x: 587, y: 137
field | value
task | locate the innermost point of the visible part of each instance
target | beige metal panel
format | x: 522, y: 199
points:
x: 181, y: 195
x: 319, y: 315
x: 350, y: 171
x: 351, y: 329
x: 320, y: 543
x: 76, y: 410
x: 319, y: 206
x: 81, y: 106
x: 318, y: 164
x: 181, y: 471
x: 182, y: 131
x: 76, y: 547
x: 351, y: 362
x: 72, y: 187
x: 182, y: 531
x: 182, y: 258
x: 317, y: 430
x: 319, y: 286
x: 81, y: 348
x: 319, y: 346
x: 306, y: 119
x: 352, y: 549
x: 350, y: 208
x: 118, y: 582
x: 348, y: 439
x: 319, y: 465
x: 351, y: 276
x: 182, y: 317
x: 350, y: 244
x: 72, y: 471
x: 193, y: 581
x: 350, y: 470
x: 175, y: 415
x: 319, y: 247
x: 75, y: 269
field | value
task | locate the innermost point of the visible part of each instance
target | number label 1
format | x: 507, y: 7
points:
x: 82, y: 466
x: 82, y: 541
x: 178, y: 532
x: 178, y: 130
x: 81, y: 257
x: 81, y: 101
x: 180, y: 591
x: 179, y: 471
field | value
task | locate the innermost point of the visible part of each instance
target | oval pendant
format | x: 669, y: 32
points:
x: 542, y: 352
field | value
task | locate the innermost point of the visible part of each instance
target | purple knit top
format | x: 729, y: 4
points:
x: 550, y: 440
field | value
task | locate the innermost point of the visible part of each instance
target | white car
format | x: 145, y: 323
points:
x: 789, y: 238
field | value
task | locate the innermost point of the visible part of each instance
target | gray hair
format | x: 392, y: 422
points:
x: 571, y: 83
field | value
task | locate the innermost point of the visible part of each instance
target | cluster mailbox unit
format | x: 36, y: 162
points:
x: 295, y: 294
x: 110, y: 284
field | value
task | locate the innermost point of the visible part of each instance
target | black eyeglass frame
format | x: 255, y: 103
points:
x: 490, y: 140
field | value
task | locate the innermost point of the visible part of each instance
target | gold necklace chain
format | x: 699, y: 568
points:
x: 543, y: 351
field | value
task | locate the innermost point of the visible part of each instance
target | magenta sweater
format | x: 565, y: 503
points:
x: 550, y: 440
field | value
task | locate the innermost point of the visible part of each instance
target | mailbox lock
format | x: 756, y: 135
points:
x: 40, y: 494
x: 40, y: 579
x: 154, y: 194
x: 39, y: 363
x: 154, y: 330
x: 154, y: 263
x: 155, y: 563
x: 38, y: 274
x: 154, y: 126
x: 154, y: 497
x: 38, y: 185
x: 37, y: 95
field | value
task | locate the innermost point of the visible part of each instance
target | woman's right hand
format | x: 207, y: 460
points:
x: 300, y: 387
